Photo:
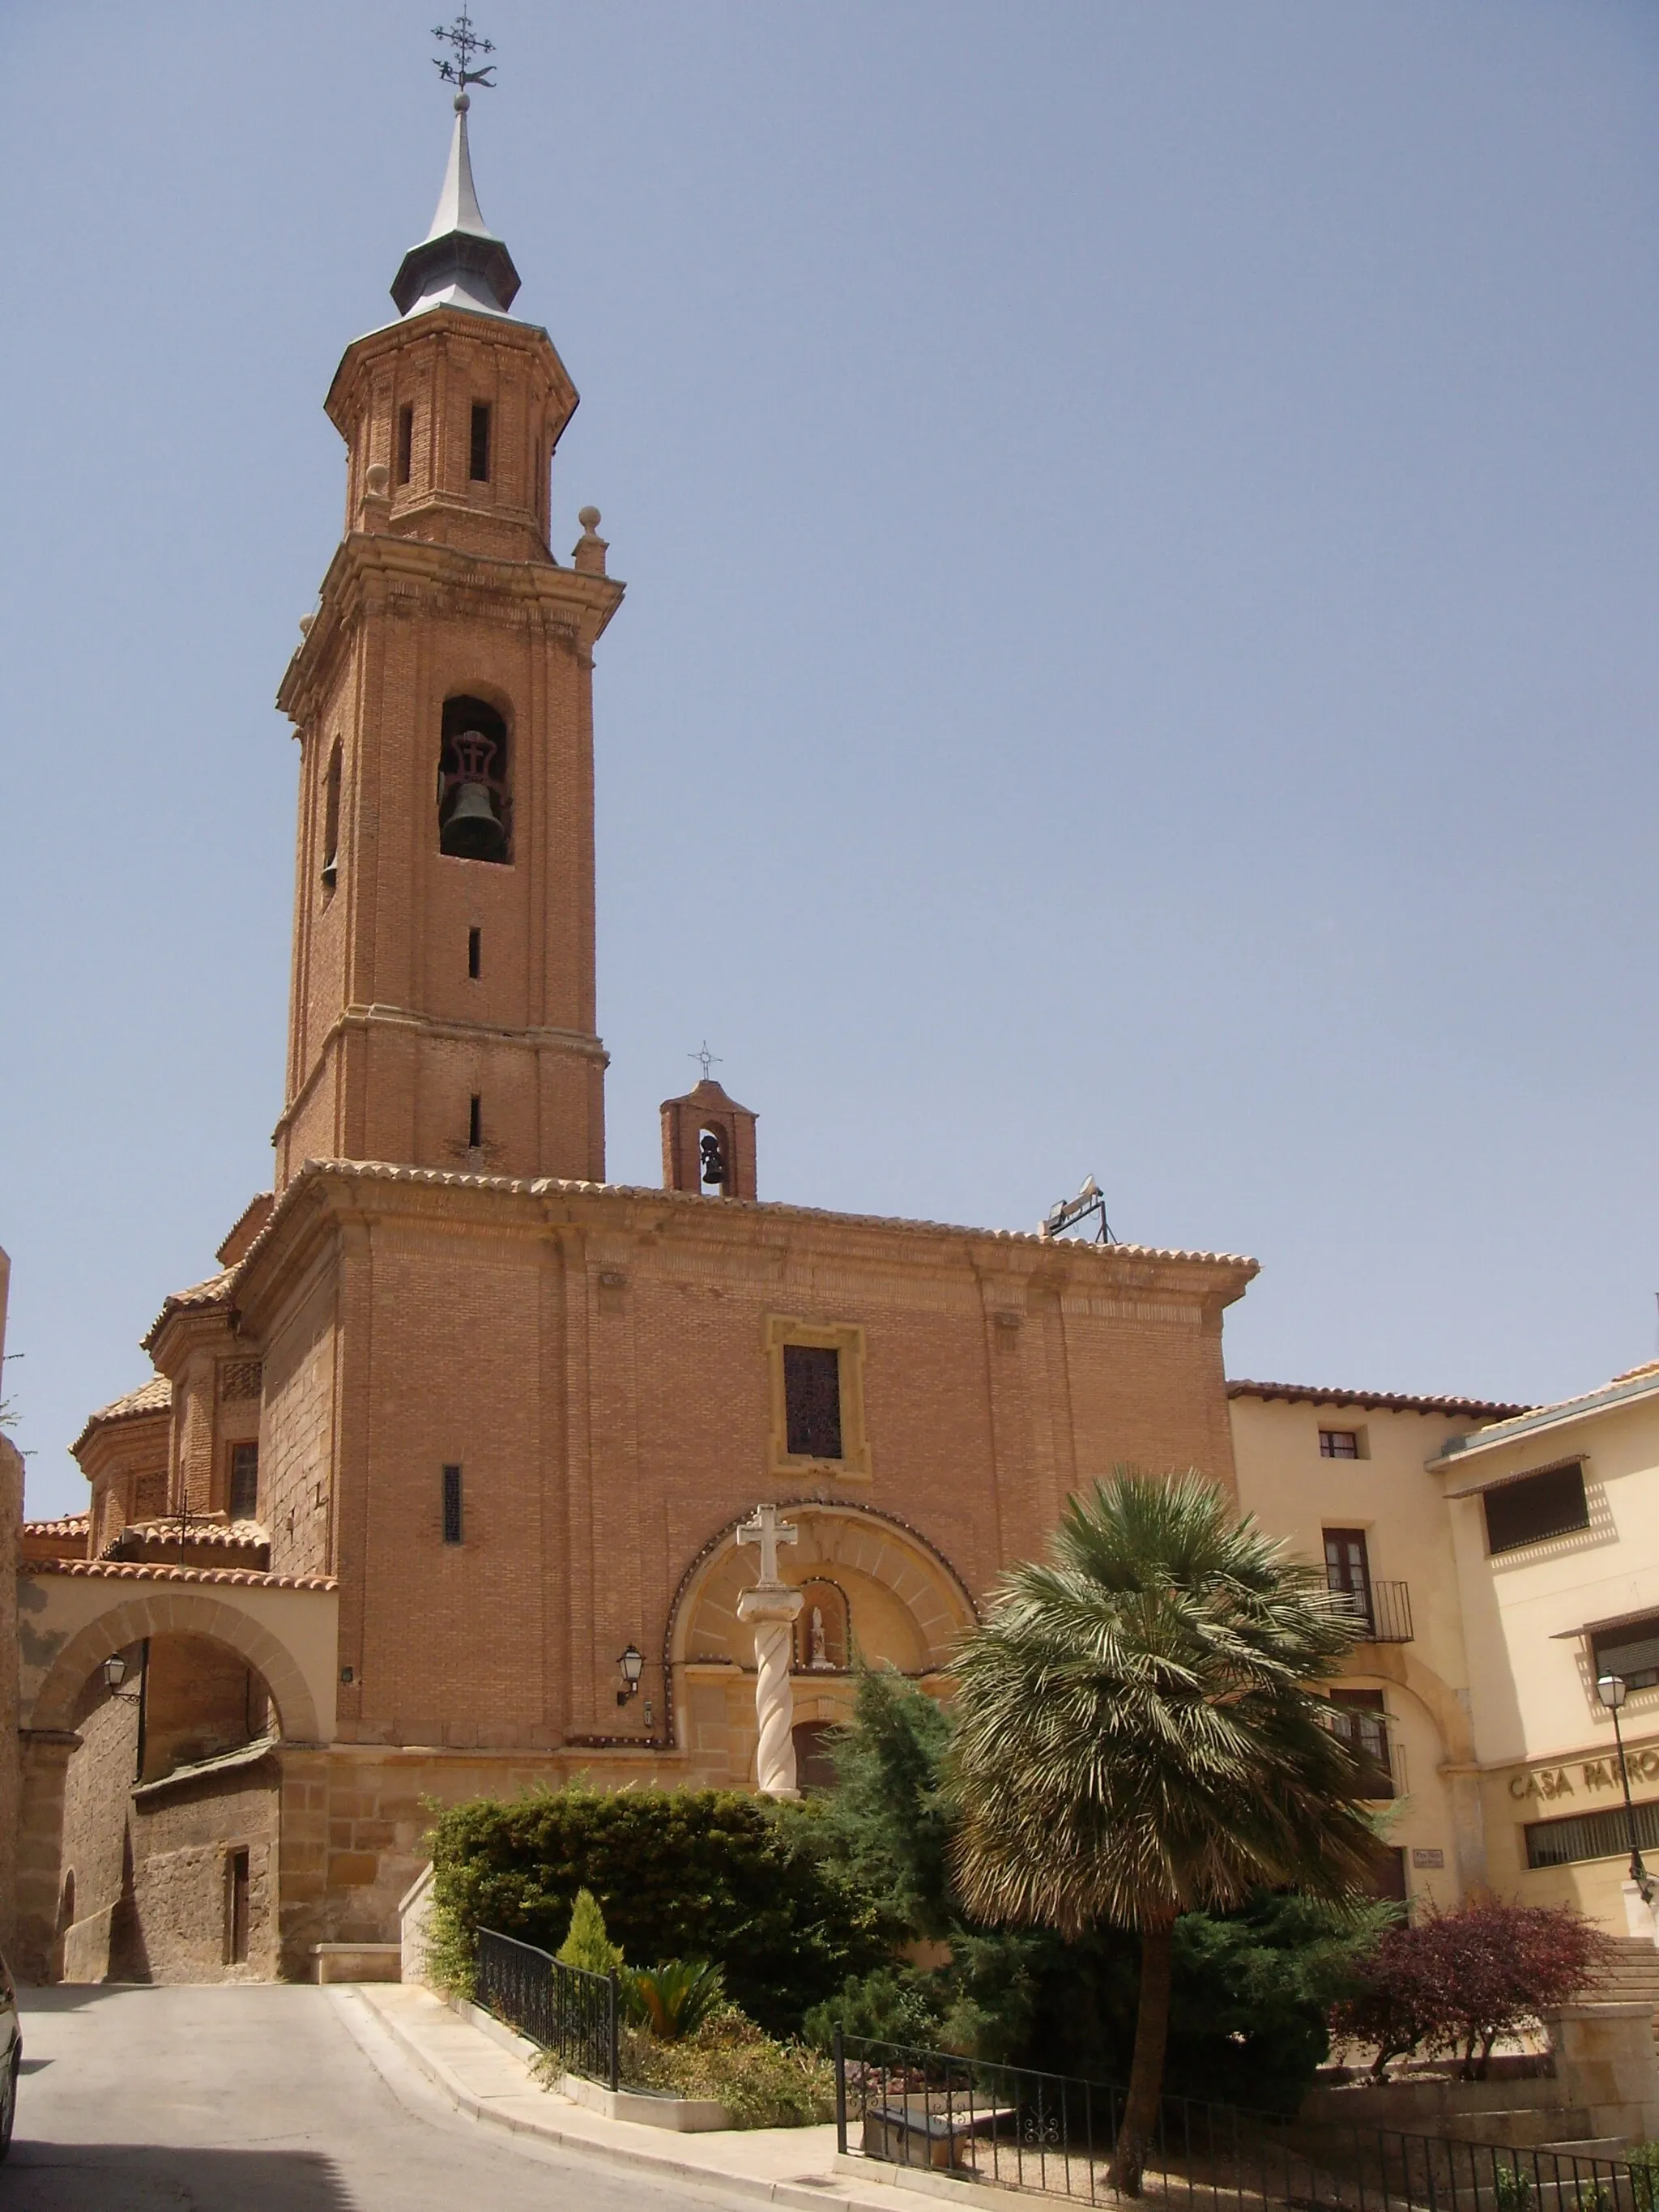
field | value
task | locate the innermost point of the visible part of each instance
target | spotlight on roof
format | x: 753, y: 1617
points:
x: 1069, y: 1214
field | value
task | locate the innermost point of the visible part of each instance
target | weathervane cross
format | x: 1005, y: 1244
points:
x: 706, y: 1059
x: 763, y: 1528
x: 465, y: 41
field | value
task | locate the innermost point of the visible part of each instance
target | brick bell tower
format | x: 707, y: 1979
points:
x: 441, y: 1011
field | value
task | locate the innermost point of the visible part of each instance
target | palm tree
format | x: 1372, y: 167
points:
x: 1137, y: 1737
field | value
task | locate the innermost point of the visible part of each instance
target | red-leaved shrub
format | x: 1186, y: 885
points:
x: 1455, y: 1982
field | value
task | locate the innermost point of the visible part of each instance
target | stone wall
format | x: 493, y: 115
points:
x: 201, y: 1699
x: 183, y: 1834
x: 97, y: 1788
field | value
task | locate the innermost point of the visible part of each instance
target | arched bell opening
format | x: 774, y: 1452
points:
x: 475, y: 783
x: 715, y: 1158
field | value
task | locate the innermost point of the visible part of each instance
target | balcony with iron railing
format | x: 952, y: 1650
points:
x: 1385, y: 1610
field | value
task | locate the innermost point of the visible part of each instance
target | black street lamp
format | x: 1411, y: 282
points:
x: 1612, y: 1691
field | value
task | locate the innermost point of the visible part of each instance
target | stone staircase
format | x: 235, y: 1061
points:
x: 1632, y: 1977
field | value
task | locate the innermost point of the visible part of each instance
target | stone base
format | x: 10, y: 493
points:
x: 357, y: 1962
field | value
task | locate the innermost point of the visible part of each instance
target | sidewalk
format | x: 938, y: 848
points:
x: 491, y: 2079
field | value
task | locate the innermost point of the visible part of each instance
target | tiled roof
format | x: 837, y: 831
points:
x: 1309, y: 1394
x: 214, y: 1292
x: 725, y: 1208
x: 161, y: 1530
x: 72, y: 1524
x: 154, y: 1396
x: 132, y: 1571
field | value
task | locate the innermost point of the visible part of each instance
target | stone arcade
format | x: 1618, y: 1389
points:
x: 457, y: 1422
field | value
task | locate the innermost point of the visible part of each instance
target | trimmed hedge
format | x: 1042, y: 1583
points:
x: 705, y: 1874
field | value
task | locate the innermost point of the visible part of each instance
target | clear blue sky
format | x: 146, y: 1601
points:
x: 1142, y: 531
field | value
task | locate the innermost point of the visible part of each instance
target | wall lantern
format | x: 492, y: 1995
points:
x: 632, y: 1666
x: 115, y: 1672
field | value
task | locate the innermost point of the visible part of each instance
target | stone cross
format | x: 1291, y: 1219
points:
x: 763, y: 1528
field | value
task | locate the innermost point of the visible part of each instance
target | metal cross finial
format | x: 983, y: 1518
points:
x: 707, y: 1059
x: 465, y: 41
x: 763, y: 1528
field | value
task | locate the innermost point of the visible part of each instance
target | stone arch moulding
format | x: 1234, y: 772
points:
x: 176, y: 1614
x: 897, y: 1556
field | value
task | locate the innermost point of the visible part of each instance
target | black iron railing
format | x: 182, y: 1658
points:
x: 1384, y: 1611
x: 569, y: 2012
x: 1025, y: 2129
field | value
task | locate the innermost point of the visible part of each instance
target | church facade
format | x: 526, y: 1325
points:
x: 436, y: 1486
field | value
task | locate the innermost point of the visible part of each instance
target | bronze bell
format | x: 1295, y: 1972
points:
x: 473, y: 828
x: 473, y: 831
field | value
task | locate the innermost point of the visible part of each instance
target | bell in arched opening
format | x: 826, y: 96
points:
x: 475, y: 806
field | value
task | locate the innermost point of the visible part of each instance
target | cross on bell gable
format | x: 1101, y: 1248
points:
x: 763, y: 1528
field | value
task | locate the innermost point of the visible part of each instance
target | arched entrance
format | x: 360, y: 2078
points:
x: 873, y: 1591
x: 157, y: 1786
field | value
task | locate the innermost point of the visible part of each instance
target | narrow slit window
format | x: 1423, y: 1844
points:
x: 405, y: 442
x: 480, y: 470
x: 475, y: 1122
x: 237, y: 1900
x: 452, y: 1505
x: 332, y: 821
x: 475, y: 956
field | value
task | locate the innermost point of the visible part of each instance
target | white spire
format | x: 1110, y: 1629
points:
x: 460, y: 262
x: 458, y: 202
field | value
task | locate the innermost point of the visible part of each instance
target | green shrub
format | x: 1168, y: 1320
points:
x: 894, y: 2004
x: 587, y: 1945
x: 673, y: 2000
x: 1511, y: 2187
x: 761, y: 2082
x: 1642, y: 2159
x: 703, y: 1874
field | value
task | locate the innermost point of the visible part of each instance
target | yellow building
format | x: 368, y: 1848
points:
x: 1501, y: 1559
x: 1554, y: 1521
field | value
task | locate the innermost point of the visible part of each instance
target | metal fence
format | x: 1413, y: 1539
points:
x: 1025, y: 2129
x: 568, y: 2011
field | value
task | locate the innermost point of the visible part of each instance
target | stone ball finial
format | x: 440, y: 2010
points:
x: 463, y: 101
x: 589, y: 519
x: 378, y: 479
x: 305, y: 621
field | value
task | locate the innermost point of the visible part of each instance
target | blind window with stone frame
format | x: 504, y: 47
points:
x: 811, y: 1399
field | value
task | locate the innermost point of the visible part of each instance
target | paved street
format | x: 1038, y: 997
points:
x: 261, y: 2098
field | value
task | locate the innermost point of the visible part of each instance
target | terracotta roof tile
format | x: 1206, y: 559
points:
x: 160, y: 1530
x: 72, y: 1524
x: 154, y: 1396
x: 651, y: 1194
x: 196, y: 1297
x: 131, y: 1571
x: 1309, y: 1394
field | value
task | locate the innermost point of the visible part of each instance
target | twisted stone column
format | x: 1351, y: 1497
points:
x: 772, y: 1607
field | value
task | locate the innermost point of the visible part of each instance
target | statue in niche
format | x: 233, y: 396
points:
x: 816, y: 1651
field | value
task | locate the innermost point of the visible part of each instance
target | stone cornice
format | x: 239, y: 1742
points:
x: 575, y: 1042
x: 367, y: 565
x: 333, y: 1190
